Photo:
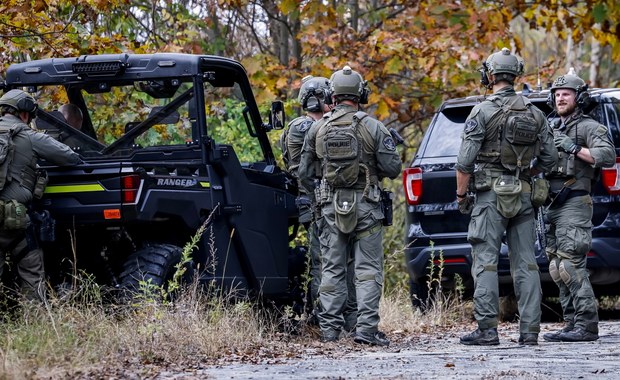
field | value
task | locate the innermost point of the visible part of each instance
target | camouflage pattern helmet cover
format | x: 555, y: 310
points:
x: 312, y: 85
x: 504, y: 62
x: 571, y: 81
x: 19, y: 100
x: 347, y: 82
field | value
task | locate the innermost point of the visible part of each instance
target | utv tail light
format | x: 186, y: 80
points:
x: 130, y: 185
x: 412, y: 182
x: 610, y: 177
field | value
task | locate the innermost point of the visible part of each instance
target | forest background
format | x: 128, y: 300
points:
x: 415, y: 54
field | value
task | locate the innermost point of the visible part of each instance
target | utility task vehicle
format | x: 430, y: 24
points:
x: 436, y: 232
x: 169, y: 141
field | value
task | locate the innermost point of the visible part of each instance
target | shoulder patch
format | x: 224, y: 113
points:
x: 389, y: 144
x: 303, y: 127
x: 601, y: 130
x: 470, y: 125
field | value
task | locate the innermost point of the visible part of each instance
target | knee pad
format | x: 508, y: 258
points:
x: 554, y: 272
x: 566, y: 271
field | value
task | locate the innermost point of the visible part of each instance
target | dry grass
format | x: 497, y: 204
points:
x: 67, y: 337
x: 70, y: 336
x: 446, y: 311
x: 77, y: 334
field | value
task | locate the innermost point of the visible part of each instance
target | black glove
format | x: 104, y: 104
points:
x: 466, y: 204
x: 566, y: 144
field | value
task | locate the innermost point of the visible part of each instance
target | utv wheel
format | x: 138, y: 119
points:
x: 149, y: 268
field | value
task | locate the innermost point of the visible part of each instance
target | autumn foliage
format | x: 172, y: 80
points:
x: 413, y: 53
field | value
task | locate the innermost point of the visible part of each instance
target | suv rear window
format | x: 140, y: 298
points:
x: 445, y: 138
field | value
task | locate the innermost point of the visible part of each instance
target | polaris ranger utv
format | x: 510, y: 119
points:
x: 167, y: 141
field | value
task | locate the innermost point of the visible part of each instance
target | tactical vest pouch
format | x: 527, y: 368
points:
x: 345, y: 206
x: 521, y: 129
x: 483, y: 181
x: 519, y: 136
x: 15, y: 215
x: 39, y: 186
x: 7, y: 149
x: 342, y: 154
x: 540, y: 191
x: 508, y: 189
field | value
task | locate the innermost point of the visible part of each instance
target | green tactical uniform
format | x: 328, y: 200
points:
x: 362, y: 220
x: 30, y: 146
x: 482, y: 149
x: 291, y: 142
x: 569, y: 235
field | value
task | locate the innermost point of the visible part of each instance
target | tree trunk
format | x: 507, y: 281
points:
x: 283, y: 41
x: 355, y: 13
x: 595, y: 63
x: 569, y: 54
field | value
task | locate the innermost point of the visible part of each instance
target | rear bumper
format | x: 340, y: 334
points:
x: 603, y: 263
x: 456, y: 259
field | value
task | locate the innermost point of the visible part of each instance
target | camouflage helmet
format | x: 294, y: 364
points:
x: 504, y: 62
x: 348, y: 82
x: 569, y: 80
x: 312, y: 86
x: 20, y: 101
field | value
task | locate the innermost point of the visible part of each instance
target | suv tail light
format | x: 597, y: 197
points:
x: 412, y: 182
x: 130, y: 185
x: 610, y: 177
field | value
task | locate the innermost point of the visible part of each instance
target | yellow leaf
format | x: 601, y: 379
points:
x: 383, y: 111
x: 288, y: 6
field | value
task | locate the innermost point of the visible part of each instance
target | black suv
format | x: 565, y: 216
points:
x: 170, y: 142
x: 436, y: 232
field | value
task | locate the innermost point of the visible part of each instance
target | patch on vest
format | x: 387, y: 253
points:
x: 389, y: 144
x: 303, y: 127
x: 470, y: 125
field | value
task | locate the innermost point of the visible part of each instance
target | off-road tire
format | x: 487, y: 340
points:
x: 154, y: 263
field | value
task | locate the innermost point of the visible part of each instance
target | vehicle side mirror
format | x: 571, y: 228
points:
x: 276, y: 116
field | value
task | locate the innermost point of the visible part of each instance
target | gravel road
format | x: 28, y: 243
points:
x: 436, y: 356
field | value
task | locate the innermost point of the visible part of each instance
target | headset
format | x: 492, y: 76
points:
x: 314, y: 99
x: 27, y: 104
x: 582, y: 99
x: 484, y: 77
x: 364, y: 93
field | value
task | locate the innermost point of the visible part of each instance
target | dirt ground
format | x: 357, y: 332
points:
x: 427, y: 356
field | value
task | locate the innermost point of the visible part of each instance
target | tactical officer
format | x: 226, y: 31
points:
x: 502, y: 136
x: 312, y: 99
x: 583, y: 146
x: 349, y: 153
x: 17, y: 109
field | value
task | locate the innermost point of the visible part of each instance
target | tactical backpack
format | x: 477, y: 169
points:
x: 342, y: 148
x: 517, y: 135
x: 7, y: 151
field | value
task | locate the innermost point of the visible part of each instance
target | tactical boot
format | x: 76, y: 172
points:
x: 330, y: 336
x: 528, y: 339
x: 578, y: 334
x: 555, y: 336
x: 374, y: 339
x: 481, y: 337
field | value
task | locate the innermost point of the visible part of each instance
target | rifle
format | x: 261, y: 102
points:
x: 541, y: 238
